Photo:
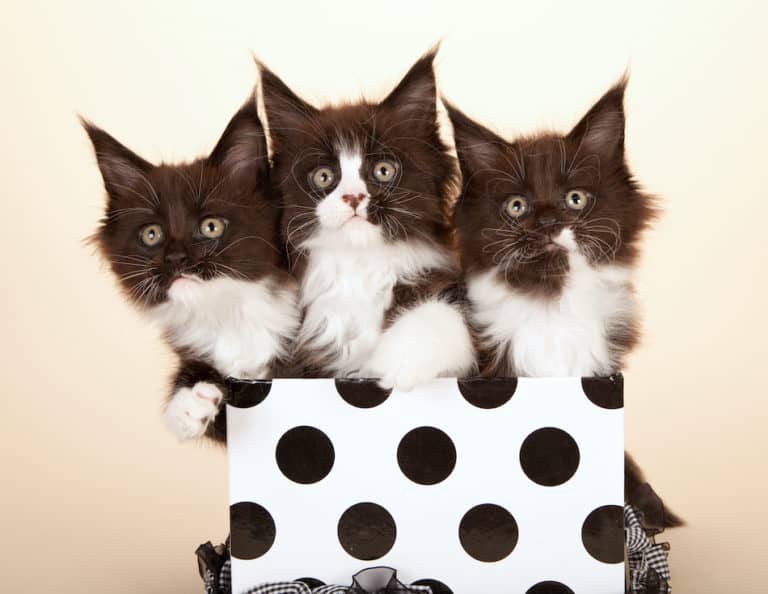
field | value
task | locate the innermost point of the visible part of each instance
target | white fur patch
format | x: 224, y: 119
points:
x: 190, y: 410
x: 431, y: 340
x: 239, y: 326
x: 347, y: 289
x: 335, y: 214
x: 562, y: 336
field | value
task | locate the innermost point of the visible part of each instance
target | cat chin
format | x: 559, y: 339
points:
x: 186, y: 290
x: 353, y: 233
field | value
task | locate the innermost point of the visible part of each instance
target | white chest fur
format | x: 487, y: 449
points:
x: 238, y: 326
x: 346, y: 291
x: 567, y: 335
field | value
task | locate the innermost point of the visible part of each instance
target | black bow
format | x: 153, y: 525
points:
x: 383, y: 580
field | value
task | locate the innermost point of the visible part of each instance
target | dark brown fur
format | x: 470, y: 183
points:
x: 231, y: 183
x: 542, y: 168
x: 402, y: 127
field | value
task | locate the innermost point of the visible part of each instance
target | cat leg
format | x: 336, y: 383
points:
x: 194, y: 407
x: 427, y: 341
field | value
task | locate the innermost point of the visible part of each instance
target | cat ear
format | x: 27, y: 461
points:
x: 476, y: 146
x: 241, y: 153
x: 601, y: 131
x: 123, y: 171
x: 414, y: 99
x: 286, y: 112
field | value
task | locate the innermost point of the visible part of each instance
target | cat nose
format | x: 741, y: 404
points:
x: 353, y: 199
x: 547, y: 220
x: 176, y: 257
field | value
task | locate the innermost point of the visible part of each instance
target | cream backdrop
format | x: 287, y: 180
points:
x: 98, y: 497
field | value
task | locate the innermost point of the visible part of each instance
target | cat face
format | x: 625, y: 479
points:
x: 360, y: 174
x: 526, y: 204
x: 168, y: 228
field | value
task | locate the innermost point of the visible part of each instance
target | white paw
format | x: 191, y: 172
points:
x: 190, y: 410
x: 408, y: 377
x: 245, y: 369
x: 424, y: 343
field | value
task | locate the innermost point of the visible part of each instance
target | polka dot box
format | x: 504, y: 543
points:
x: 514, y: 485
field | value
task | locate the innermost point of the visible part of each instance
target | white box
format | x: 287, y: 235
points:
x: 500, y: 485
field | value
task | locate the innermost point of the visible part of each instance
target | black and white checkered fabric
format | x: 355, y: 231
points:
x: 223, y: 585
x: 648, y: 561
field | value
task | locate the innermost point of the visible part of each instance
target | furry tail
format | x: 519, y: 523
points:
x: 639, y: 494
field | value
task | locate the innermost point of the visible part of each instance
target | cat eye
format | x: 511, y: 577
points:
x: 384, y: 171
x: 322, y: 178
x: 577, y: 199
x: 516, y: 206
x: 212, y: 227
x: 151, y: 235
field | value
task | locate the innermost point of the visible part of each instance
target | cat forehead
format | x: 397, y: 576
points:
x: 352, y: 125
x: 548, y: 158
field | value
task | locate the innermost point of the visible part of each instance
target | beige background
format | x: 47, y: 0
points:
x: 96, y: 494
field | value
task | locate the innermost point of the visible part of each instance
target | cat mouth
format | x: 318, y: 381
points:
x: 552, y: 247
x: 183, y: 278
x: 355, y: 218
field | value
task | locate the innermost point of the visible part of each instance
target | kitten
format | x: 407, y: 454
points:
x: 365, y: 189
x: 194, y: 247
x: 549, y: 227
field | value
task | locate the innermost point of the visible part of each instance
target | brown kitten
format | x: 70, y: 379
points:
x: 365, y: 188
x: 549, y: 227
x: 194, y: 247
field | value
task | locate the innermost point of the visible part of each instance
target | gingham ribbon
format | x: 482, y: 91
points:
x: 647, y: 560
x: 381, y: 574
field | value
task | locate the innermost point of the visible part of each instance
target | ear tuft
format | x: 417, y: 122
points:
x: 123, y: 171
x: 601, y: 130
x: 415, y: 96
x: 476, y: 146
x: 286, y: 112
x: 241, y: 152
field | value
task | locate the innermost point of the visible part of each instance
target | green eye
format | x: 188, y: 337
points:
x: 212, y: 227
x: 322, y: 178
x: 577, y: 199
x: 516, y: 206
x: 384, y: 171
x: 151, y: 235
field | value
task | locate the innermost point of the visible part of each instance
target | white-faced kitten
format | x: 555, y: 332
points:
x: 549, y: 227
x: 365, y: 189
x: 195, y: 247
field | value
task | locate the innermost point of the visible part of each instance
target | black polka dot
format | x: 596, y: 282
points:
x: 605, y: 392
x: 361, y: 393
x: 247, y: 393
x: 435, y: 586
x: 426, y: 455
x: 488, y: 533
x: 549, y: 588
x: 549, y: 456
x: 305, y: 455
x: 253, y: 530
x: 488, y: 393
x: 367, y: 531
x: 603, y: 534
x: 311, y: 582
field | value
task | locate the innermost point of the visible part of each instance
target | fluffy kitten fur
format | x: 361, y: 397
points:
x: 550, y: 286
x: 211, y: 278
x: 365, y: 189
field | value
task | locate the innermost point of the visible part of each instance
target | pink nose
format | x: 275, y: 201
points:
x: 353, y: 200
